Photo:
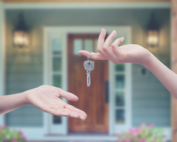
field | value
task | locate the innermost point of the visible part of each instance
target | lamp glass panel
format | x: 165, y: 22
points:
x: 152, y: 38
x: 21, y: 38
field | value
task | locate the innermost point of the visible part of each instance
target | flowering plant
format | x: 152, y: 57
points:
x: 143, y: 134
x: 7, y: 135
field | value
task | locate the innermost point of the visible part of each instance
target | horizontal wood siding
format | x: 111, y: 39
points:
x: 151, y: 100
x: 27, y: 116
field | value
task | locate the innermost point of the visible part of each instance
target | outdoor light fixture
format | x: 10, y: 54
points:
x: 21, y: 35
x: 152, y: 33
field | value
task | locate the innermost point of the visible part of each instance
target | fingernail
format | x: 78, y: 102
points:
x: 114, y: 32
x: 83, y: 117
x: 102, y: 30
x: 122, y: 39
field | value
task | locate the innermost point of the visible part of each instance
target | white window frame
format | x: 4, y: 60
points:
x: 48, y: 80
x: 118, y: 128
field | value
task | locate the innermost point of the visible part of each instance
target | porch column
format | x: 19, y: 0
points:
x: 174, y: 65
x: 2, y: 55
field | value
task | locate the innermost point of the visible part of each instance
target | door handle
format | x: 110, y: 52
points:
x: 107, y: 91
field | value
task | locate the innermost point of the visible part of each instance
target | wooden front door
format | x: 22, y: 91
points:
x: 92, y: 99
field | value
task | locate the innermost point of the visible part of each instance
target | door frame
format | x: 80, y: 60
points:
x: 62, y: 32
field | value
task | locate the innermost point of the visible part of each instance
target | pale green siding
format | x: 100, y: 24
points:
x: 151, y: 100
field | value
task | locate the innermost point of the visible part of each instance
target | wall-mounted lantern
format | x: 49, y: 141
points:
x: 21, y: 35
x: 152, y: 33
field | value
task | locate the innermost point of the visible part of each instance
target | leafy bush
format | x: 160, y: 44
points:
x: 7, y: 135
x: 143, y: 134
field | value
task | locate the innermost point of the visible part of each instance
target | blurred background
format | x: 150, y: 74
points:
x: 42, y: 41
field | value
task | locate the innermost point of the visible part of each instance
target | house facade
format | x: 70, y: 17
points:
x: 120, y: 97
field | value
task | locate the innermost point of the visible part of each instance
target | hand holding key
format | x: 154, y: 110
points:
x: 130, y: 53
x: 89, y: 66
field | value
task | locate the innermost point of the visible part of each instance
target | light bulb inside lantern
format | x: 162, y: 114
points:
x: 21, y: 39
x: 152, y: 38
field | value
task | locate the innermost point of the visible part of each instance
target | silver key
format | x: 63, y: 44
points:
x: 89, y: 66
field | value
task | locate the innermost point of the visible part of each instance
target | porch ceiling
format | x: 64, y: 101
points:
x: 80, y: 1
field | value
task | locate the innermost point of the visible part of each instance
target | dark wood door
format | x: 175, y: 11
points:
x: 92, y: 99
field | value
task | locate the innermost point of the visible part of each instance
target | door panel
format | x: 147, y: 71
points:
x: 91, y: 99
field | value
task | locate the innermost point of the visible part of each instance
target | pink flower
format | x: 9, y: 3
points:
x: 2, y: 133
x: 141, y: 140
x: 4, y: 126
x: 23, y: 136
x: 151, y: 126
x: 165, y: 133
x: 164, y: 140
x: 127, y: 140
x: 14, y: 140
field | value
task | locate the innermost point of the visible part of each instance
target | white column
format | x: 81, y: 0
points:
x: 2, y: 55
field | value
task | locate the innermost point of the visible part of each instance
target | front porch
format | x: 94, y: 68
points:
x: 130, y: 94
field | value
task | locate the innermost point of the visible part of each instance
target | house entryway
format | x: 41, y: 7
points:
x: 107, y: 101
x: 93, y: 100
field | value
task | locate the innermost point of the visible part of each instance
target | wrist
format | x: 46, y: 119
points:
x: 24, y: 96
x: 149, y: 61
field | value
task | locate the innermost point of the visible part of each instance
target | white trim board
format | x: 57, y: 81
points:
x: 89, y: 5
x: 2, y: 55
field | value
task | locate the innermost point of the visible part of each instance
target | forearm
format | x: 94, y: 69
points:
x: 11, y: 102
x: 167, y: 77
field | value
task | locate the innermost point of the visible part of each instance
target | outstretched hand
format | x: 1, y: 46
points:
x: 47, y: 99
x: 107, y: 50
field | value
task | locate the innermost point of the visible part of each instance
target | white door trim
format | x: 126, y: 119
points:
x: 2, y: 55
x: 63, y: 31
x: 90, y: 5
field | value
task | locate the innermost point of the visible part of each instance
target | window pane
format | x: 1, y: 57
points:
x: 88, y: 45
x: 57, y: 81
x: 120, y: 116
x: 119, y: 99
x: 120, y: 67
x: 57, y: 64
x: 56, y: 119
x: 120, y: 81
x: 56, y: 46
x: 77, y: 46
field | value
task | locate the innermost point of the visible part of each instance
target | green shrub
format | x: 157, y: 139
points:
x: 143, y: 134
x: 7, y: 135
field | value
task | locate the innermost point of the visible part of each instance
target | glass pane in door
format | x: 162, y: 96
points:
x: 119, y: 67
x: 57, y: 81
x: 120, y: 116
x: 120, y: 81
x: 77, y: 46
x: 57, y: 64
x: 88, y: 45
x: 119, y: 100
x: 56, y: 119
x: 56, y: 46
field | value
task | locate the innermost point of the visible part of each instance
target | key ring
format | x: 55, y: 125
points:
x: 89, y: 56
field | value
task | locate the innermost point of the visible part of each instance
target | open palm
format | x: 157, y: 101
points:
x: 47, y: 99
